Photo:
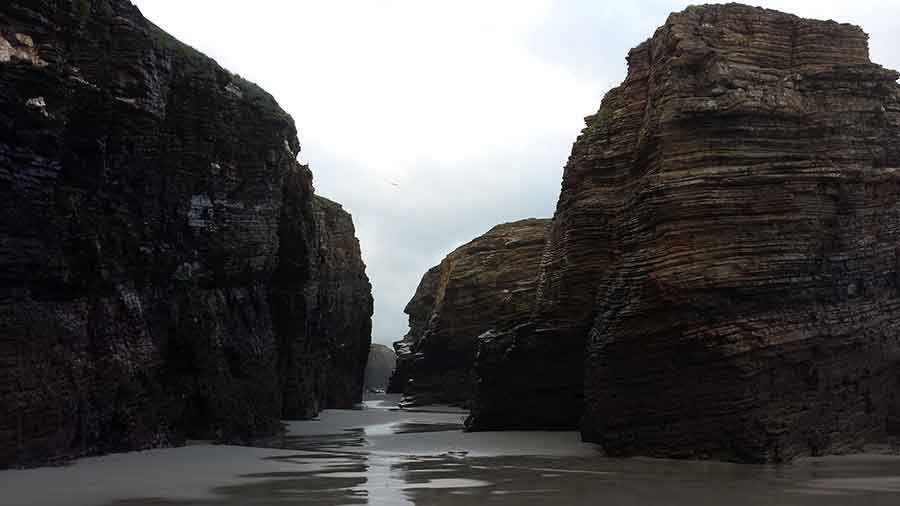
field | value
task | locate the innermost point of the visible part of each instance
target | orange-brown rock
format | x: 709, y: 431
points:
x: 487, y: 282
x: 724, y: 249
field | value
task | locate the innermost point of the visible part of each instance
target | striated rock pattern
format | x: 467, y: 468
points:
x: 725, y: 244
x: 149, y: 201
x: 380, y: 366
x: 487, y: 282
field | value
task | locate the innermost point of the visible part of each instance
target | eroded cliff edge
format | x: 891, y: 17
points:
x: 156, y: 231
x: 723, y: 256
x: 484, y: 283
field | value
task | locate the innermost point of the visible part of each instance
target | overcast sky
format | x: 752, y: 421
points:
x: 432, y: 121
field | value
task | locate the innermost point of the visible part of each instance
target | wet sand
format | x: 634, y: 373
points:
x: 383, y: 456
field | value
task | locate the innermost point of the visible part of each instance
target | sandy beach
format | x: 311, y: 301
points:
x: 380, y: 455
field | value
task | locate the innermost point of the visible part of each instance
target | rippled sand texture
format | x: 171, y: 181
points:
x: 381, y: 456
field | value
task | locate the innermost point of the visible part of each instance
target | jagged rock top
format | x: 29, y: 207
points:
x: 762, y: 37
x: 71, y: 36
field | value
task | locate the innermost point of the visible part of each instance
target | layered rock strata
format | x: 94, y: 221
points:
x: 725, y: 248
x: 487, y: 282
x: 154, y: 227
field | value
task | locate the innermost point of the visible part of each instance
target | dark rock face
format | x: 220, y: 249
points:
x: 380, y: 366
x: 154, y: 226
x: 419, y: 309
x: 487, y: 282
x: 326, y: 321
x: 342, y: 314
x: 725, y: 246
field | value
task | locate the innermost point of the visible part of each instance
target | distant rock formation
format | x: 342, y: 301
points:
x: 419, y: 309
x: 724, y: 249
x: 380, y: 366
x: 487, y: 282
x: 165, y: 269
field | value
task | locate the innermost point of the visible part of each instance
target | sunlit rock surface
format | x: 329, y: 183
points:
x: 724, y: 249
x: 487, y: 282
x: 151, y: 207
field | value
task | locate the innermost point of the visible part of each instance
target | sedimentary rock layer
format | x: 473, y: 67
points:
x: 149, y: 201
x: 725, y: 244
x: 487, y: 282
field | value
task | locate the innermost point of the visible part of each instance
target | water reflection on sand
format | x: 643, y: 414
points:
x: 383, y: 457
x: 446, y: 480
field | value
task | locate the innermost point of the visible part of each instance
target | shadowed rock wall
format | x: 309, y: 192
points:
x: 145, y: 195
x: 380, y: 367
x: 419, y: 309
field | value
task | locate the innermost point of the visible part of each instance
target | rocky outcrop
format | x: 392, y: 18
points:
x: 725, y: 246
x: 325, y: 321
x: 380, y: 366
x: 487, y: 282
x: 155, y: 225
x: 419, y: 309
x: 344, y: 306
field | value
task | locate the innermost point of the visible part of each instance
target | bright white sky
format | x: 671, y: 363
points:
x: 469, y: 106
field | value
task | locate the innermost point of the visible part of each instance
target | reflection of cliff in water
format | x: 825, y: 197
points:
x: 345, y: 467
x: 332, y: 478
x: 380, y: 455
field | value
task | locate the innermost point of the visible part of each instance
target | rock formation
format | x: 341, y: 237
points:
x: 419, y: 310
x: 155, y: 231
x: 380, y: 366
x: 487, y: 282
x: 725, y: 245
x: 343, y: 308
x: 324, y: 368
